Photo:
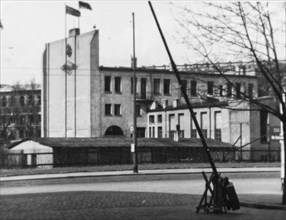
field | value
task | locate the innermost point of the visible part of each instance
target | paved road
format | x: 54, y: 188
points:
x: 196, y: 186
x: 160, y: 199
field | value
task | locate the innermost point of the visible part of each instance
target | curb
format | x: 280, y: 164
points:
x: 126, y: 173
x: 262, y: 206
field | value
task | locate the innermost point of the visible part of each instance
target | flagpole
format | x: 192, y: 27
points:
x: 78, y: 21
x: 135, y: 162
x: 65, y: 71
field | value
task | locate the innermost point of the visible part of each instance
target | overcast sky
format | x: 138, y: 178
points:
x: 29, y: 25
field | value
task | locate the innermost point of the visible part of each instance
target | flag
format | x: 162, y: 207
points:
x: 84, y: 5
x: 72, y: 11
x: 1, y: 26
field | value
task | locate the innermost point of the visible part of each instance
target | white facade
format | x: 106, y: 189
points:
x: 36, y: 154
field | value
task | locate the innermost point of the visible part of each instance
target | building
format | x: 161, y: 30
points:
x: 20, y: 112
x: 83, y: 99
x: 60, y: 152
x: 243, y: 125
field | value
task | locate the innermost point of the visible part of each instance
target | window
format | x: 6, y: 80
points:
x: 185, y: 85
x: 194, y: 133
x: 12, y: 100
x: 140, y: 132
x: 229, y: 89
x: 220, y: 90
x: 138, y: 110
x: 159, y: 118
x: 160, y: 133
x: 117, y: 86
x: 210, y: 87
x: 107, y: 82
x: 218, y: 126
x: 193, y: 88
x: 166, y: 87
x: 117, y: 109
x: 156, y: 86
x: 204, y: 124
x: 22, y: 100
x: 250, y: 90
x: 39, y: 100
x: 238, y: 92
x: 107, y: 109
x: 4, y: 101
x: 172, y: 125
x: 30, y: 100
x: 151, y: 119
x: 132, y: 84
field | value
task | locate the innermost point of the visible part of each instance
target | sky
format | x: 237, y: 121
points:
x: 29, y: 25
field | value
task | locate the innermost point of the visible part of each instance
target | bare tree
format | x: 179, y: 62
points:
x: 19, y: 110
x: 246, y: 31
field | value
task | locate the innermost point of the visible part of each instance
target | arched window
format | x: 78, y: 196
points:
x: 114, y: 130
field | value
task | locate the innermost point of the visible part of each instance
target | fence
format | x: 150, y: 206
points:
x: 63, y: 157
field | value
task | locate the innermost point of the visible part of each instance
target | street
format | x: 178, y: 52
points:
x: 150, y: 199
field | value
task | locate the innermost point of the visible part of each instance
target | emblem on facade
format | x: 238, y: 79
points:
x: 69, y: 50
x: 68, y: 67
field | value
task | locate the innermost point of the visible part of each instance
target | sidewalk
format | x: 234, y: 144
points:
x: 265, y: 201
x: 141, y: 172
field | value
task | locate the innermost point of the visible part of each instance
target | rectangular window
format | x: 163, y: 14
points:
x: 138, y: 110
x: 159, y: 119
x: 229, y: 89
x: 160, y: 133
x: 117, y: 85
x: 156, y: 86
x: 218, y: 126
x: 107, y: 83
x: 220, y: 90
x: 250, y: 90
x: 210, y: 87
x: 194, y: 133
x: 166, y: 87
x: 117, y: 109
x: 193, y: 88
x: 193, y: 128
x: 185, y: 85
x: 204, y: 124
x: 237, y: 88
x: 151, y: 119
x: 108, y: 109
x: 132, y: 84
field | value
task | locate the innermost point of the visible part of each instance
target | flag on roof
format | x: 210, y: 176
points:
x: 84, y: 5
x: 72, y: 11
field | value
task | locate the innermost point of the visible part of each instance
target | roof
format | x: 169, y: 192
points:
x: 167, y: 71
x: 194, y: 105
x: 121, y: 142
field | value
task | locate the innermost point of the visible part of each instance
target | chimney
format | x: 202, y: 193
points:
x: 165, y: 103
x: 175, y: 103
x: 74, y: 32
